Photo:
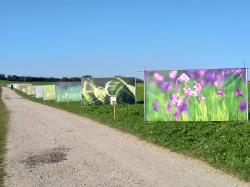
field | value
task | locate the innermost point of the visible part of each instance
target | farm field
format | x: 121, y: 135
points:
x: 3, y: 131
x: 224, y: 145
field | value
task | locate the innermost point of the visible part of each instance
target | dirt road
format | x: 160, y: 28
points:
x: 50, y: 147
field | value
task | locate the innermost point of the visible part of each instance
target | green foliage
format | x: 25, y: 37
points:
x: 140, y: 92
x: 68, y: 91
x: 3, y: 132
x: 224, y: 145
x: 98, y: 91
x: 49, y: 92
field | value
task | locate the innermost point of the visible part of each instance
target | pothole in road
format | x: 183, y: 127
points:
x: 48, y: 157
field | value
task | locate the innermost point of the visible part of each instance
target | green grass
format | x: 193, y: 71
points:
x: 33, y: 83
x: 4, y: 82
x: 224, y: 145
x: 140, y: 92
x: 3, y: 132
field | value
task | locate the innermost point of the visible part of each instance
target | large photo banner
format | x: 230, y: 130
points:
x: 68, y: 91
x: 49, y: 92
x: 196, y: 95
x: 100, y: 90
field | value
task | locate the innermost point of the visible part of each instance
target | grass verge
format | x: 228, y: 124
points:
x: 224, y: 145
x: 3, y: 132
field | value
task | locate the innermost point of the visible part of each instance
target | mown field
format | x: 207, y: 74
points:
x: 224, y: 145
x: 3, y: 131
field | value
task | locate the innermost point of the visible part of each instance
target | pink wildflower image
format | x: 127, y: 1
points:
x: 188, y: 91
x: 158, y: 77
x: 175, y: 100
x: 238, y: 92
x: 197, y: 88
x: 202, y: 99
x: 220, y: 92
x: 155, y: 106
x: 173, y: 74
x: 183, y: 78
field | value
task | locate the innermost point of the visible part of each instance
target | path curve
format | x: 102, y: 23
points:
x: 51, y: 147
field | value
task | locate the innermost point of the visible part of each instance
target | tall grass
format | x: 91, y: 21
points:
x: 3, y: 132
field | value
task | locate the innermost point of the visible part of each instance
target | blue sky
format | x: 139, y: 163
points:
x: 121, y: 37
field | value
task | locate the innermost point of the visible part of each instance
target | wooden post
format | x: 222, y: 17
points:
x: 114, y: 111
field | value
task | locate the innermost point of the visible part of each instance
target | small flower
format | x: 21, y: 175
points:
x: 188, y: 91
x: 238, y: 92
x: 239, y: 71
x: 202, y: 98
x: 198, y: 74
x: 170, y: 87
x: 164, y: 86
x: 220, y: 92
x: 197, y: 87
x: 158, y: 77
x: 184, y: 78
x: 173, y: 74
x: 226, y: 72
x: 243, y: 106
x: 175, y: 100
x: 195, y: 93
x: 168, y: 109
x: 155, y: 106
x: 183, y: 107
x: 202, y: 82
x: 177, y: 115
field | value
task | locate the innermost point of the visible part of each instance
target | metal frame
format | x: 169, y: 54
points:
x: 247, y: 91
x: 135, y: 90
x: 144, y: 104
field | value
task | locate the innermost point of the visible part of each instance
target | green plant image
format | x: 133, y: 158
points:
x: 99, y: 90
x: 68, y: 91
x: 49, y: 92
x: 196, y: 95
x: 30, y: 90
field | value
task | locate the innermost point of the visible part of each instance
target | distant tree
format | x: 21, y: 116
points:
x: 65, y: 79
x: 87, y: 76
x: 74, y: 79
x: 2, y: 77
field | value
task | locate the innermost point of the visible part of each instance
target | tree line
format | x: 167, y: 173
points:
x: 17, y: 78
x: 45, y: 79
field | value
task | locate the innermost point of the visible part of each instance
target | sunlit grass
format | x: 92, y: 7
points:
x: 3, y: 132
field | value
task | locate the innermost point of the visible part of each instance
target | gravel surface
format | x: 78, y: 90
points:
x: 51, y: 147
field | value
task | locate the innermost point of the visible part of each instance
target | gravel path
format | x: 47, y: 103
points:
x: 50, y: 147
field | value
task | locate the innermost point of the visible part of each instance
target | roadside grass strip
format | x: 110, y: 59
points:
x: 3, y: 132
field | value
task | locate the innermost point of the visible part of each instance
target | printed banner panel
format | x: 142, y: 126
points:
x: 39, y: 91
x: 49, y: 92
x: 196, y: 95
x: 31, y: 90
x: 23, y: 87
x: 99, y: 90
x: 68, y: 91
